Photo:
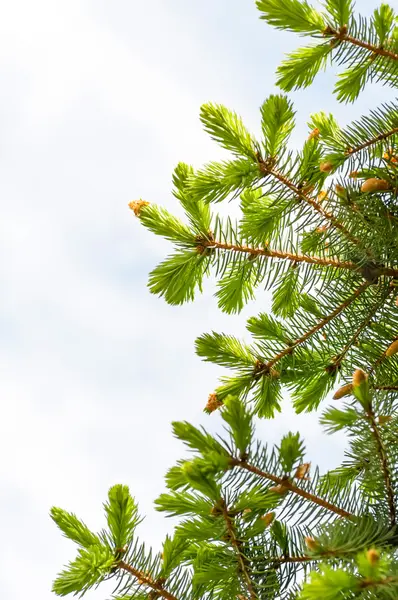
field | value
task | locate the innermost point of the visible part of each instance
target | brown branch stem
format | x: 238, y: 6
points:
x: 235, y: 543
x: 326, y: 215
x: 362, y: 327
x: 147, y: 580
x: 318, y: 326
x: 378, y: 138
x: 291, y: 487
x: 343, y: 36
x: 387, y: 387
x: 294, y: 258
x: 384, y: 465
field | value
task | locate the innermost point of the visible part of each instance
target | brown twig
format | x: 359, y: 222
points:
x: 267, y: 168
x: 237, y: 546
x: 294, y: 258
x: 318, y: 326
x: 143, y: 578
x: 362, y: 327
x: 387, y: 387
x: 343, y: 36
x: 291, y: 487
x: 384, y: 465
x: 378, y: 138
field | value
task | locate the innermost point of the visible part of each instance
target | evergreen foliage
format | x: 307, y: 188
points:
x: 318, y: 227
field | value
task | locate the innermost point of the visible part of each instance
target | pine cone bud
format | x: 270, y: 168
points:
x: 375, y: 185
x: 390, y: 156
x: 326, y: 166
x: 384, y: 419
x: 373, y: 556
x: 268, y: 518
x: 353, y: 174
x: 345, y: 390
x: 392, y: 349
x: 322, y: 195
x: 358, y: 377
x: 314, y: 134
x: 311, y: 543
x: 137, y: 205
x: 340, y: 189
x: 213, y: 403
x: 302, y: 470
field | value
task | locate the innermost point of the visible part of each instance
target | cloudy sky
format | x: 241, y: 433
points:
x: 99, y: 102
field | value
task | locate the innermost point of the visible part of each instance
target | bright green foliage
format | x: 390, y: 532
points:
x: 291, y: 15
x: 227, y: 128
x: 73, y: 529
x: 339, y: 10
x: 122, y: 515
x: 318, y: 228
x: 291, y: 450
x: 277, y: 122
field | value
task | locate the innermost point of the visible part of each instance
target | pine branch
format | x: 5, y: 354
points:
x: 237, y: 546
x: 342, y: 35
x: 156, y: 586
x: 378, y: 138
x: 362, y: 326
x: 387, y: 387
x: 384, y: 465
x: 294, y: 258
x: 318, y: 326
x: 267, y: 167
x: 285, y: 483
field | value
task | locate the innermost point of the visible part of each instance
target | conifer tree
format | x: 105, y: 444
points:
x: 319, y: 228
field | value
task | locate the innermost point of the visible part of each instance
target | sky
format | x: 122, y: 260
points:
x: 100, y: 101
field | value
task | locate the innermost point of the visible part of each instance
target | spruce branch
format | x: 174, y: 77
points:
x: 267, y: 168
x: 384, y: 465
x: 318, y: 326
x: 144, y: 578
x: 342, y: 35
x: 378, y: 138
x: 387, y: 387
x: 294, y: 258
x: 291, y: 487
x: 237, y: 547
x: 362, y: 326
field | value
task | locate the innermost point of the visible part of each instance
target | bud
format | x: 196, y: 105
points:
x: 322, y: 195
x: 390, y: 156
x: 137, y: 205
x: 268, y: 518
x: 345, y: 390
x: 353, y: 174
x: 311, y: 543
x: 213, y: 403
x: 326, y: 166
x: 358, y: 378
x: 375, y: 185
x: 279, y: 489
x: 360, y: 388
x: 392, y: 349
x: 314, y: 133
x: 321, y: 229
x: 340, y: 189
x: 384, y: 419
x: 302, y: 471
x: 373, y: 557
